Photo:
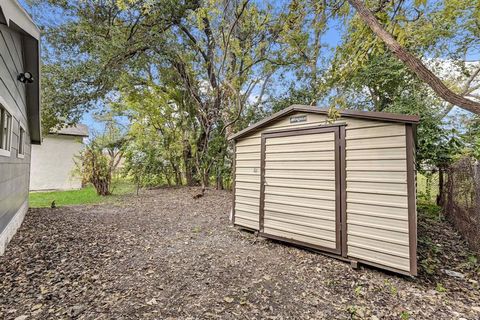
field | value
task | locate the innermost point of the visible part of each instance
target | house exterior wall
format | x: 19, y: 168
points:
x: 377, y: 201
x: 14, y: 169
x: 55, y: 172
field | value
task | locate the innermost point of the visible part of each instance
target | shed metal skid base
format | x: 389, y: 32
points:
x: 354, y: 262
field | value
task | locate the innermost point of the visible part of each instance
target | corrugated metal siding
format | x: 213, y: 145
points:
x: 377, y: 201
x: 14, y: 171
x: 376, y: 181
x: 247, y: 169
x: 247, y: 174
x: 308, y: 209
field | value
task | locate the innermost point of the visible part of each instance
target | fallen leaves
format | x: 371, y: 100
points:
x: 228, y: 299
x: 152, y: 301
x: 154, y: 257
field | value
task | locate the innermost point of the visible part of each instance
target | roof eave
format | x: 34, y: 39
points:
x: 383, y: 116
x: 19, y: 20
x: 14, y: 12
x: 69, y: 134
x: 32, y: 65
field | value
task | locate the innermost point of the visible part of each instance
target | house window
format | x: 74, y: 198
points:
x: 5, y: 131
x: 21, y: 143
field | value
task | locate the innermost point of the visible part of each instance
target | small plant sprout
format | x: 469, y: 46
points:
x: 404, y: 315
x: 358, y: 290
x: 440, y: 287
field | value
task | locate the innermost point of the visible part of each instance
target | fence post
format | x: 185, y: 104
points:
x: 447, y: 203
x: 476, y: 185
x: 475, y: 170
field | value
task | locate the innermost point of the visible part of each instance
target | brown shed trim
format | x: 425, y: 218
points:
x: 412, y: 212
x: 261, y: 205
x: 338, y: 191
x: 234, y: 177
x: 245, y: 228
x: 333, y: 252
x: 384, y: 116
x: 343, y: 187
x: 339, y: 219
x: 382, y: 266
x: 322, y: 251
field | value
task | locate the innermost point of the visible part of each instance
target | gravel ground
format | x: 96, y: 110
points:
x: 164, y: 255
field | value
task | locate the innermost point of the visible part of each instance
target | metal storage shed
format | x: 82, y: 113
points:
x: 345, y: 188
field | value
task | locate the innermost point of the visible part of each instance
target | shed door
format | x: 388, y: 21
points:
x: 300, y: 187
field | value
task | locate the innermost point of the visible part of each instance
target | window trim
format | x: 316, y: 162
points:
x: 5, y: 152
x: 21, y: 140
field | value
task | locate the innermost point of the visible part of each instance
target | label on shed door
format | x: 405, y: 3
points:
x: 299, y: 118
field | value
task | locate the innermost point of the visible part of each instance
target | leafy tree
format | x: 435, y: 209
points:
x: 187, y: 74
x: 471, y: 137
x: 99, y: 160
x: 95, y: 169
x: 146, y: 166
x: 374, y: 79
x: 412, y: 62
x: 436, y: 151
x: 158, y: 127
x: 402, y: 53
x: 218, y: 52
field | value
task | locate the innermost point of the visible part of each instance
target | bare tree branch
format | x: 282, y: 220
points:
x: 412, y: 62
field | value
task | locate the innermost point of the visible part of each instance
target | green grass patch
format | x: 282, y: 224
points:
x: 87, y: 195
x: 429, y: 210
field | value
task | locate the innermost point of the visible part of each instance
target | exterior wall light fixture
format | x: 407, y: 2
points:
x: 26, y: 77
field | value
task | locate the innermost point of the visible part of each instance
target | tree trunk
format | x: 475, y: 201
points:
x: 206, y: 178
x: 176, y: 173
x: 169, y: 181
x: 188, y: 160
x: 428, y: 186
x: 476, y: 183
x: 441, y: 192
x: 412, y: 62
x: 179, y: 178
x: 102, y: 187
x: 203, y: 183
x: 101, y: 184
x: 219, y: 180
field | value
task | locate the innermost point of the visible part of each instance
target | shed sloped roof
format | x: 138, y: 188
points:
x: 80, y: 130
x: 383, y: 116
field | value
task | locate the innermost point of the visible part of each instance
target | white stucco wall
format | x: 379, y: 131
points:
x: 53, y: 163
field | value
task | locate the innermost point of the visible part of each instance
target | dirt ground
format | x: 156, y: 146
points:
x: 164, y: 255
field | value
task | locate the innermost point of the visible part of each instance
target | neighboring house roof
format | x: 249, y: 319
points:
x: 384, y: 116
x: 79, y: 130
x: 16, y: 18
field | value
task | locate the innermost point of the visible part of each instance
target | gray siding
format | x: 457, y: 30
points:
x: 14, y: 171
